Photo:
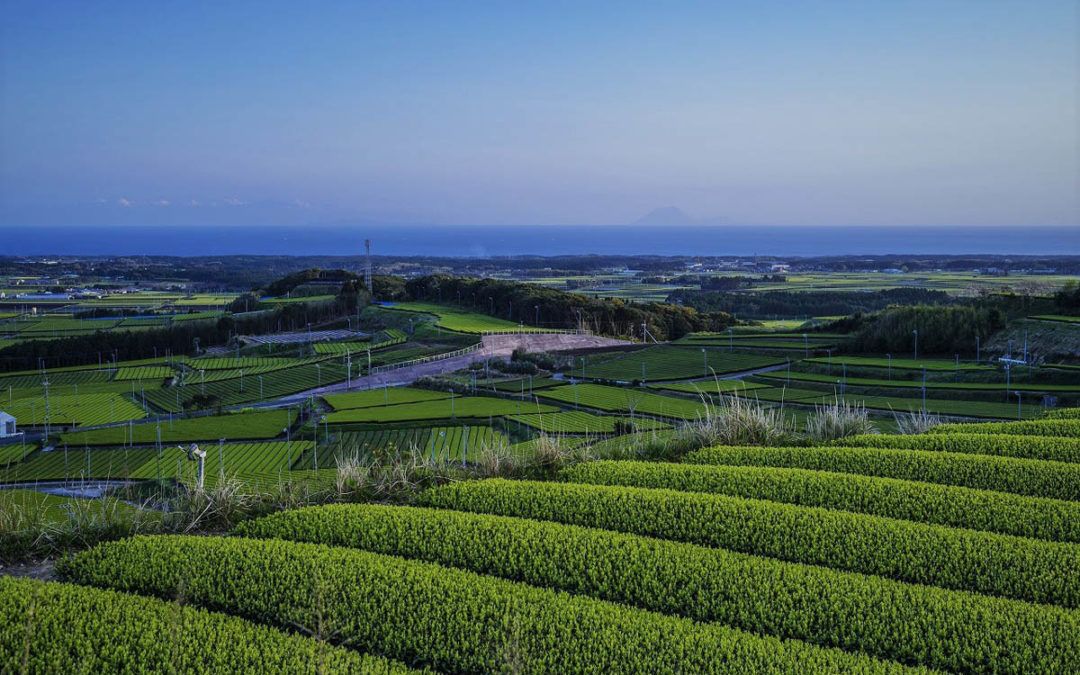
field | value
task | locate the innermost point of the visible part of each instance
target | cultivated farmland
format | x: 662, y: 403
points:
x: 458, y: 407
x: 672, y: 363
x: 460, y: 320
x: 252, y: 425
x: 626, y: 400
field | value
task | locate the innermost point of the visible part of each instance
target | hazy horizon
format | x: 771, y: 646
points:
x: 597, y: 113
x: 485, y: 241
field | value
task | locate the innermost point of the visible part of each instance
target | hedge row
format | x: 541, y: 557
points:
x: 1044, y: 427
x: 1013, y: 567
x: 1050, y: 519
x: 450, y: 619
x: 1053, y: 448
x: 48, y: 627
x: 1031, y: 477
x: 1063, y: 414
x: 909, y: 623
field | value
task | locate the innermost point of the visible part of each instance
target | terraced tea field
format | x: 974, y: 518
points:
x: 380, y: 397
x: 264, y: 464
x: 460, y: 320
x: 581, y: 422
x: 930, y: 384
x: 458, y: 407
x: 443, y: 443
x: 232, y: 391
x: 907, y: 560
x: 251, y: 425
x: 625, y: 400
x: 666, y: 362
x: 932, y: 365
x: 79, y: 410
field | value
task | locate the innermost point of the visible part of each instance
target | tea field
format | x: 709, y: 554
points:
x: 907, y: 560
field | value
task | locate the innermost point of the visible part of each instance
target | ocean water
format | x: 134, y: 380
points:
x: 490, y: 240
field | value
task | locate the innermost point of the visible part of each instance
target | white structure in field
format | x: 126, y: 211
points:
x: 7, y: 425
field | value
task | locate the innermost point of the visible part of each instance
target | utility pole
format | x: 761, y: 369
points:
x: 916, y: 351
x: 367, y: 266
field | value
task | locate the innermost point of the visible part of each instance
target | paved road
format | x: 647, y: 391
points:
x: 495, y: 346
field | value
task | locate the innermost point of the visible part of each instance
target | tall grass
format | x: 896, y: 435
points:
x: 735, y: 420
x: 916, y: 422
x: 837, y: 420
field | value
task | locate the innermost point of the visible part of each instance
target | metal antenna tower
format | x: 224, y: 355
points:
x: 367, y: 264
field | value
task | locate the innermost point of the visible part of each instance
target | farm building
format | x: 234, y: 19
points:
x: 7, y: 425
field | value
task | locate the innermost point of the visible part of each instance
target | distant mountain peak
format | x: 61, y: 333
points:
x: 666, y: 215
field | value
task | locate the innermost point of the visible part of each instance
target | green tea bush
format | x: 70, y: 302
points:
x: 449, y: 619
x: 1014, y: 567
x: 1067, y: 427
x: 1053, y: 448
x: 1031, y: 477
x: 1050, y: 519
x: 909, y: 623
x: 48, y: 627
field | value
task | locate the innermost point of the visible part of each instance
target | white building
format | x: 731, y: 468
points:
x: 7, y: 425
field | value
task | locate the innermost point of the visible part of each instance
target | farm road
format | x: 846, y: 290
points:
x: 495, y: 346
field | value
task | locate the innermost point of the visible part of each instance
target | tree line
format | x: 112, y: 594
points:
x: 536, y: 305
x: 942, y: 330
x: 806, y: 303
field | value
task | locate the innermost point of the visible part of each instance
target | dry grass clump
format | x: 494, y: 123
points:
x: 837, y: 420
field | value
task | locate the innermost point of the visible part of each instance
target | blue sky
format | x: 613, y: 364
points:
x: 789, y: 113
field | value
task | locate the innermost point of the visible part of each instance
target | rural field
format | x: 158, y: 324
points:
x: 532, y: 338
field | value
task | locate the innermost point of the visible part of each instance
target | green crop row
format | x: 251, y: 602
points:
x: 443, y: 443
x: 380, y: 397
x: 624, y: 399
x: 709, y: 387
x: 281, y: 382
x: 462, y: 320
x: 948, y: 365
x: 1050, y: 519
x: 665, y: 362
x: 1031, y: 477
x: 1028, y: 447
x: 261, y: 424
x: 75, y: 409
x: 1069, y: 428
x: 9, y: 454
x: 1064, y: 414
x: 250, y: 462
x: 1013, y: 567
x: 144, y: 373
x: 448, y: 619
x: 889, y: 619
x: 62, y: 628
x: 917, y: 384
x: 441, y: 409
x: 56, y: 378
x: 580, y: 422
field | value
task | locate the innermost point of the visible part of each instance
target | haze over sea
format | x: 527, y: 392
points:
x: 481, y: 241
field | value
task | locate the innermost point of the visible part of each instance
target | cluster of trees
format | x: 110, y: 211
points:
x: 178, y: 338
x: 943, y: 330
x: 806, y: 303
x: 1067, y: 300
x: 540, y: 306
